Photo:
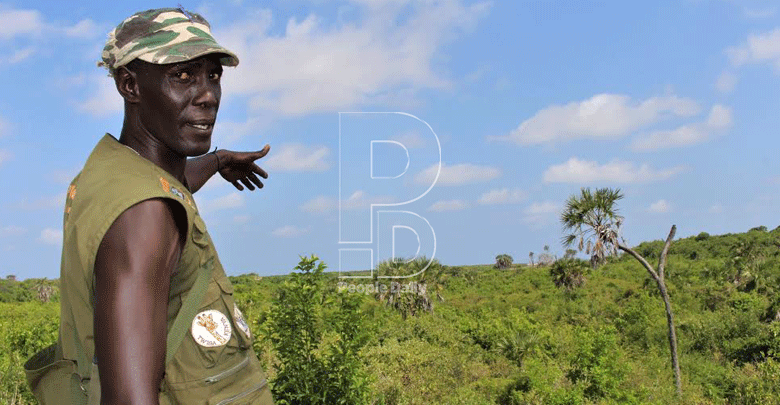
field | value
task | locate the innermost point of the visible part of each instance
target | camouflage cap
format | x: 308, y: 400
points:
x: 165, y: 35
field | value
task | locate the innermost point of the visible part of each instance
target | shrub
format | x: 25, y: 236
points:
x: 757, y: 384
x: 569, y: 274
x: 503, y: 261
x: 422, y: 281
x: 597, y: 367
x: 317, y: 340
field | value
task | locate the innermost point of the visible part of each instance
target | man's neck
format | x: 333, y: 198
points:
x: 155, y: 152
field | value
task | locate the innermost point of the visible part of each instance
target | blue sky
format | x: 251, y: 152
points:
x: 674, y: 102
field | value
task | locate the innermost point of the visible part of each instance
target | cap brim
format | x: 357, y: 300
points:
x: 189, y: 50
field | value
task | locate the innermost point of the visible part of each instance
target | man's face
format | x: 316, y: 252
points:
x: 179, y: 102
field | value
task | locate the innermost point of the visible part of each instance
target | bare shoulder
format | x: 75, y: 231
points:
x: 147, y: 235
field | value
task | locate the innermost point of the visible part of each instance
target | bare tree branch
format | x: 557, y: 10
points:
x: 665, y: 251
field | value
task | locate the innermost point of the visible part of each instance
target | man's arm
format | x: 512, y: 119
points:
x: 133, y: 268
x: 235, y: 167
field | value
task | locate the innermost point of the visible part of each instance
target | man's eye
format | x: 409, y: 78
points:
x: 183, y: 75
x: 215, y: 76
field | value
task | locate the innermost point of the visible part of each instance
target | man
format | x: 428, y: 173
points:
x: 147, y: 312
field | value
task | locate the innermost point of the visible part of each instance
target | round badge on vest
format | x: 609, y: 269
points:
x: 211, y: 328
x: 240, y: 321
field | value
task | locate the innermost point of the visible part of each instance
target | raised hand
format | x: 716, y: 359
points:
x: 240, y: 167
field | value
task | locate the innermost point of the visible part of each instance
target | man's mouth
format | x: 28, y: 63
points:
x: 203, y: 126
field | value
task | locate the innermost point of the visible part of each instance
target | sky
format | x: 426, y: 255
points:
x: 455, y: 128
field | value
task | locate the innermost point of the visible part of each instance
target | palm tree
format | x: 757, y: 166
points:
x: 593, y: 216
x: 569, y: 273
x: 594, y: 224
x: 413, y: 295
x: 503, y: 261
x: 531, y: 259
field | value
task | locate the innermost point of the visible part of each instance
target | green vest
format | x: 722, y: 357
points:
x: 209, y: 358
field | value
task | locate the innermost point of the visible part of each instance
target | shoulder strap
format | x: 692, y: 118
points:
x: 188, y: 309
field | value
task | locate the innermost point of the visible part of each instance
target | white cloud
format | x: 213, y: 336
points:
x: 30, y: 23
x: 104, y: 100
x: 51, y: 236
x: 502, y: 83
x: 4, y: 155
x: 719, y: 119
x: 456, y: 175
x: 659, y: 207
x: 356, y: 200
x: 319, y: 204
x: 502, y: 196
x: 5, y: 127
x: 83, y: 29
x: 760, y: 13
x: 545, y: 207
x: 216, y: 183
x: 758, y: 48
x: 539, y: 213
x: 63, y: 176
x: 232, y: 200
x: 15, y: 22
x: 314, y: 67
x: 616, y: 171
x: 411, y: 140
x: 20, y: 55
x: 448, y: 205
x: 715, y: 209
x: 477, y: 75
x: 359, y: 200
x: 55, y: 201
x: 289, y: 231
x: 726, y: 82
x: 241, y: 219
x: 12, y: 230
x: 227, y: 133
x: 295, y: 157
x: 603, y: 116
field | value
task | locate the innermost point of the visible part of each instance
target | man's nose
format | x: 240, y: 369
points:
x: 208, y: 93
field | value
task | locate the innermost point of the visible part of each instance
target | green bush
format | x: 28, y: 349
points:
x: 569, y: 274
x: 597, y: 367
x: 757, y: 384
x: 317, y: 339
x: 25, y: 328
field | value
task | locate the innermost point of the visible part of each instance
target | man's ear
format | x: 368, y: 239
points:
x: 126, y: 84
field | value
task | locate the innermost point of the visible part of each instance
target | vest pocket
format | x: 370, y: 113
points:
x: 247, y: 397
x: 54, y: 381
x: 248, y: 387
x: 227, y: 373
